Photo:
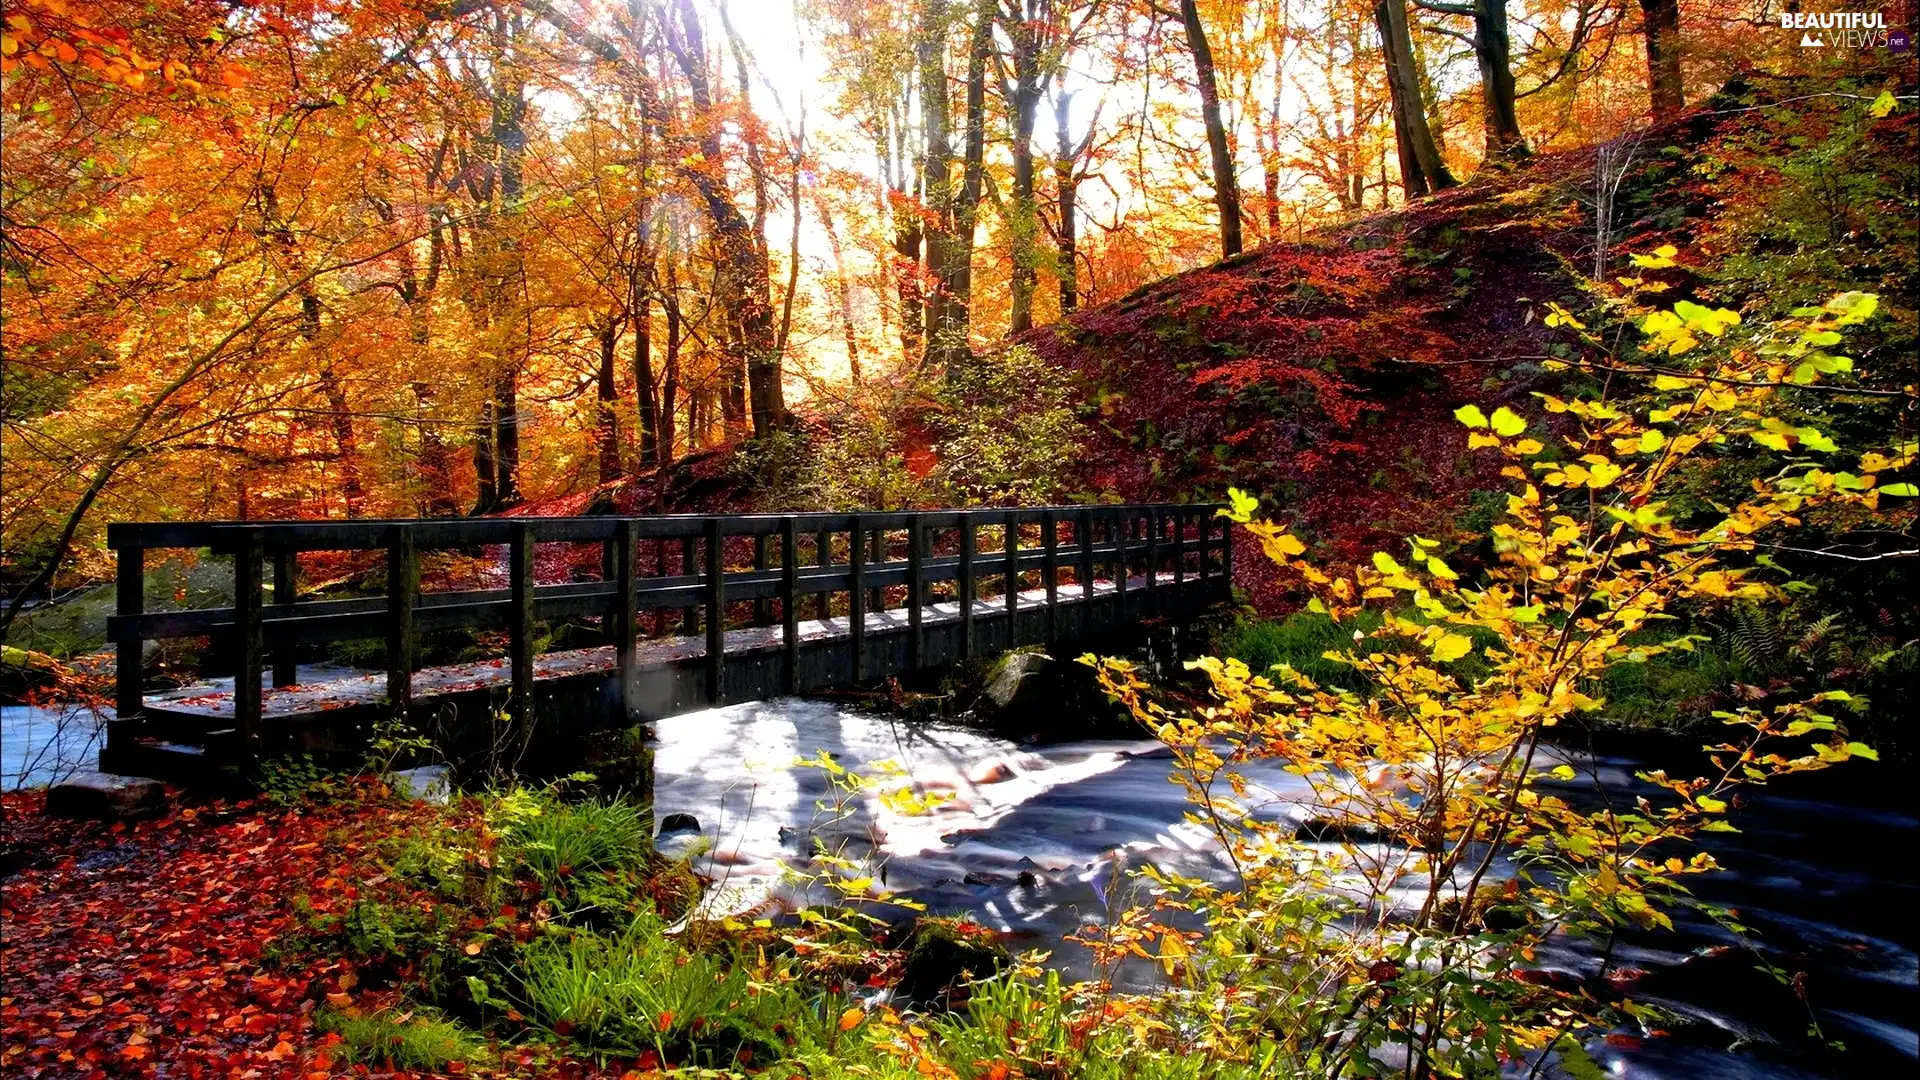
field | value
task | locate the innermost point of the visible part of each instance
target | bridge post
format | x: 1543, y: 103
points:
x: 716, y: 612
x: 247, y: 568
x: 916, y: 593
x: 876, y: 554
x: 790, y: 600
x: 689, y: 615
x: 762, y: 607
x: 1083, y: 569
x: 130, y: 601
x: 856, y: 596
x: 1117, y: 532
x: 1154, y: 522
x: 1012, y: 571
x: 403, y: 584
x: 1049, y: 538
x: 966, y: 584
x: 823, y: 557
x: 520, y: 633
x: 1180, y: 559
x: 285, y: 671
x: 625, y: 616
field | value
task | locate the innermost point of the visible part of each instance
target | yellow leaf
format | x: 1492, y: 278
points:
x: 1471, y: 416
x: 1441, y: 570
x: 1882, y: 105
x: 1508, y: 423
x: 1452, y: 647
x: 1385, y: 563
x: 851, y: 1019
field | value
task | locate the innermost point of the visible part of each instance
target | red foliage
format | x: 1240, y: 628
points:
x: 1323, y: 376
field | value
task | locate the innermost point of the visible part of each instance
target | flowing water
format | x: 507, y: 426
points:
x: 1035, y: 841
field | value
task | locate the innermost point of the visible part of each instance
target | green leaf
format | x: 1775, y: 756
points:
x: 1563, y: 772
x: 1471, y: 416
x: 1862, y: 750
x: 1907, y: 490
x: 1882, y: 105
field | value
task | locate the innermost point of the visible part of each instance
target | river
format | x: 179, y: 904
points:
x: 1033, y: 841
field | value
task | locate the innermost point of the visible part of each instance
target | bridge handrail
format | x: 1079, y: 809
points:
x: 1148, y: 536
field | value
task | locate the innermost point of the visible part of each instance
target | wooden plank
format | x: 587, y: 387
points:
x: 1050, y: 539
x: 403, y: 587
x: 1118, y: 567
x: 790, y: 603
x: 285, y: 670
x: 857, y: 598
x: 520, y: 550
x: 129, y: 601
x: 625, y: 617
x: 247, y: 568
x: 916, y: 593
x: 967, y: 586
x: 716, y: 611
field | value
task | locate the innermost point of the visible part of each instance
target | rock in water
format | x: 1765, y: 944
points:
x: 1013, y: 681
x: 679, y: 823
x: 105, y: 796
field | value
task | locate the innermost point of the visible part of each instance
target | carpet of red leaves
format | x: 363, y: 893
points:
x: 136, y: 949
x: 140, y: 949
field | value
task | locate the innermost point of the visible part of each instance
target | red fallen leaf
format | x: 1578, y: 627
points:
x: 563, y: 1027
x: 1624, y: 1042
x: 663, y: 1021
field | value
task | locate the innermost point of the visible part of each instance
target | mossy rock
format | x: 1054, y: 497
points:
x: 944, y: 955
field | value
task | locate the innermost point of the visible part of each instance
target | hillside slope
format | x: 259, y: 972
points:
x: 1323, y: 375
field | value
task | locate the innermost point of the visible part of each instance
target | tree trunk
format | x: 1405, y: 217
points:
x: 487, y: 497
x: 506, y: 439
x: 671, y: 381
x: 1226, y: 190
x: 1421, y: 169
x: 1491, y: 45
x: 1023, y: 107
x: 844, y: 286
x: 1660, y: 22
x: 608, y: 396
x: 1066, y: 182
x: 930, y: 52
x: 964, y: 210
x: 647, y: 410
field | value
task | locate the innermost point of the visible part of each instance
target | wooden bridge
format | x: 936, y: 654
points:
x: 686, y: 611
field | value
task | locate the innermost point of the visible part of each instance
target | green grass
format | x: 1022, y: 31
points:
x: 410, y: 1039
x: 1300, y: 642
x: 565, y: 839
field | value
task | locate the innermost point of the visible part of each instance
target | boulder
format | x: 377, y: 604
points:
x: 943, y: 955
x: 1323, y: 830
x: 679, y: 823
x: 105, y: 796
x: 1016, y: 680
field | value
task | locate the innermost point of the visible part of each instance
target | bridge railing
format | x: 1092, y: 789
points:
x: 685, y: 571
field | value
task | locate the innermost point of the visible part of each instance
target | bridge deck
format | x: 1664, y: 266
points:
x: 297, y: 704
